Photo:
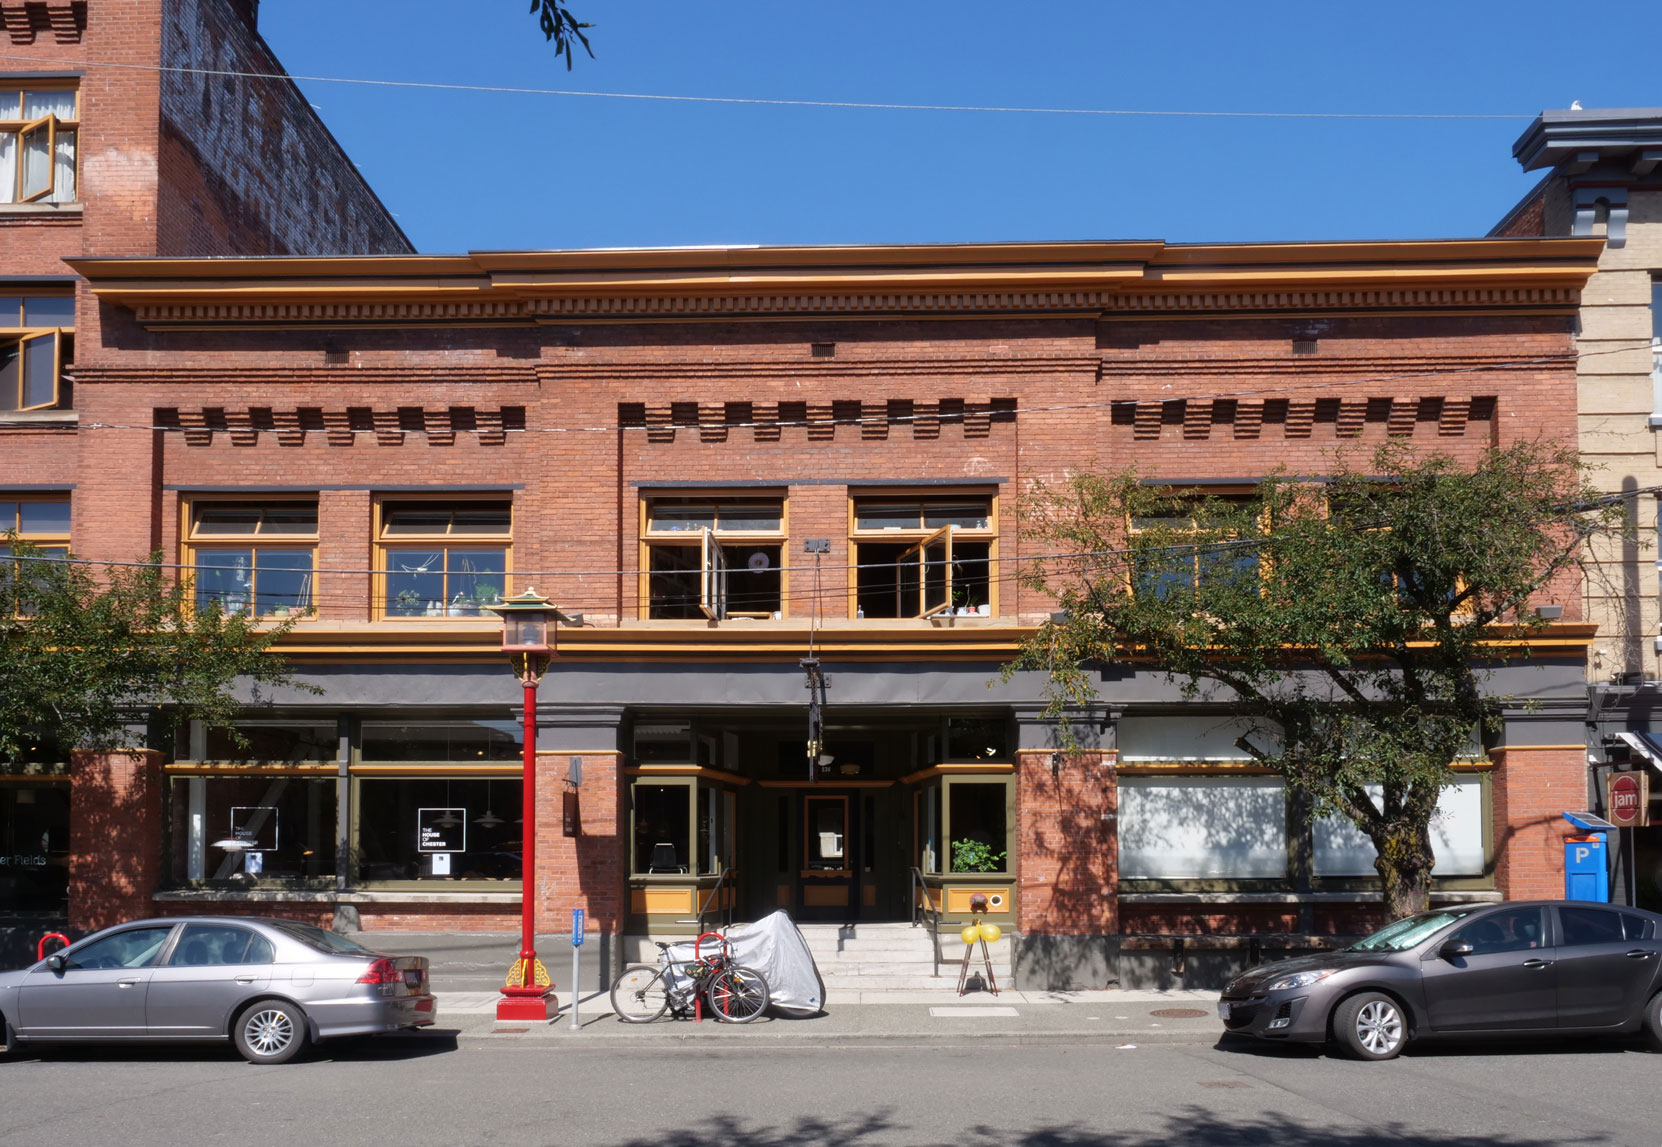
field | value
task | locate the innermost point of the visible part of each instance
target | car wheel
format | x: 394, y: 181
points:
x: 1370, y: 1026
x: 272, y: 1031
x: 1653, y: 1022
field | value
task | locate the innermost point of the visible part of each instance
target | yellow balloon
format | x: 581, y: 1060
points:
x: 969, y: 934
x: 990, y: 933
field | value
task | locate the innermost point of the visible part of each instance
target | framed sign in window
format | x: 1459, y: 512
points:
x: 441, y: 829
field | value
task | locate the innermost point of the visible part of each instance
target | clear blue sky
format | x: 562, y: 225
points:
x: 470, y: 170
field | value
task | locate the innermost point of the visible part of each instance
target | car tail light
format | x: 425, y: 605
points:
x: 382, y: 971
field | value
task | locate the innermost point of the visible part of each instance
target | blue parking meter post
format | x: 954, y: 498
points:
x: 576, y: 947
x: 1586, y: 869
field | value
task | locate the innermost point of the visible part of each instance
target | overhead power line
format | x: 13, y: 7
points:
x: 842, y: 105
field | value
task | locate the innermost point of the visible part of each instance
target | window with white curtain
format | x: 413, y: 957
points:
x: 1194, y: 827
x: 38, y: 131
x: 1341, y: 849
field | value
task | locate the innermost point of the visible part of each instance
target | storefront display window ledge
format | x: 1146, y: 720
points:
x: 1476, y: 896
x: 305, y: 896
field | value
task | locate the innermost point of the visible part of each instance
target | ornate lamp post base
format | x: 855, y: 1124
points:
x: 527, y: 1005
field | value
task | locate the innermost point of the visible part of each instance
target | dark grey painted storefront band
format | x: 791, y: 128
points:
x: 1547, y: 698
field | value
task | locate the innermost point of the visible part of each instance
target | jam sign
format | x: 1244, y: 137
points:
x: 1627, y: 799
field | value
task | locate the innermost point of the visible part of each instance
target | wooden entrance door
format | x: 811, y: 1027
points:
x: 827, y: 879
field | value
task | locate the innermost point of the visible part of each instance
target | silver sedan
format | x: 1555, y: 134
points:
x: 269, y: 986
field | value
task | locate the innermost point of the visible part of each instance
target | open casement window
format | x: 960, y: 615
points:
x: 442, y: 559
x: 37, y: 335
x: 923, y: 583
x: 712, y: 558
x: 253, y: 558
x: 38, y: 130
x: 712, y: 579
x: 922, y: 557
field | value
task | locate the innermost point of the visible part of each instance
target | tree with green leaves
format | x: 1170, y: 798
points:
x: 1351, y: 621
x: 86, y: 656
x: 561, y: 28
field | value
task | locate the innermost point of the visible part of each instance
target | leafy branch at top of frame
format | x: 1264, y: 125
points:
x: 562, y: 28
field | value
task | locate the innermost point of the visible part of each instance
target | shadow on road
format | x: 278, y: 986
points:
x: 1193, y: 1124
x: 351, y: 1049
x: 1448, y: 1048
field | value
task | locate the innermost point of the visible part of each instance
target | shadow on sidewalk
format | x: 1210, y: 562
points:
x: 1192, y: 1124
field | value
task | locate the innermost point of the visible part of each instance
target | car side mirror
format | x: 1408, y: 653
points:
x: 1455, y: 949
x: 57, y: 962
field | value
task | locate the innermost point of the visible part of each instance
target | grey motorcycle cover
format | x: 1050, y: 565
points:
x: 774, y: 947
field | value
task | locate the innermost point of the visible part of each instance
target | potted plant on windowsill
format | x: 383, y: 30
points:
x: 408, y: 603
x: 976, y: 856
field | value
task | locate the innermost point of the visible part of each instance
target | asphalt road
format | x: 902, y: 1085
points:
x: 446, y: 1091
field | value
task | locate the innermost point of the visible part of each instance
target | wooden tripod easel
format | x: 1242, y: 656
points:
x: 986, y: 962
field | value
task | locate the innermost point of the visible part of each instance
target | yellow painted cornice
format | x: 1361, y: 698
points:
x: 690, y: 283
x: 310, y: 642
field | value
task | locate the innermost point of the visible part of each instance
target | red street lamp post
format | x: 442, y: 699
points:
x: 530, y: 633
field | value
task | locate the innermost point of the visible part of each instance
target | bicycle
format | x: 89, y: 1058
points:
x: 735, y: 994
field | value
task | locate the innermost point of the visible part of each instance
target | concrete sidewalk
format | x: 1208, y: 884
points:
x: 1121, y: 1018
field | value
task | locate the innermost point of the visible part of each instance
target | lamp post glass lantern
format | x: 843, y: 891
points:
x: 529, y: 634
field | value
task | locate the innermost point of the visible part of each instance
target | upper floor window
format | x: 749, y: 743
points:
x: 1216, y: 558
x: 37, y: 340
x: 920, y: 557
x: 38, y: 126
x: 43, y: 522
x: 442, y: 559
x: 713, y: 557
x: 253, y: 557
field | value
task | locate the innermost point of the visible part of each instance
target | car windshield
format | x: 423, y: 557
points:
x: 322, y: 939
x: 1404, y: 934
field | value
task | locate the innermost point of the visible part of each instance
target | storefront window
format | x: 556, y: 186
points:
x: 715, y: 830
x: 34, y: 847
x: 662, y: 817
x: 1340, y: 848
x: 928, y: 813
x: 976, y: 815
x: 251, y: 829
x: 442, y: 741
x: 1183, y: 827
x: 439, y: 829
x: 273, y: 741
x: 977, y: 739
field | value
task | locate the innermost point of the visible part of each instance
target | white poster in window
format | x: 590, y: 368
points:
x: 441, y: 864
x: 1341, y: 849
x: 253, y: 863
x: 1191, y: 827
x: 255, y: 826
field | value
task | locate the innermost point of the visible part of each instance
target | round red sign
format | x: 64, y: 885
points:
x: 1624, y: 799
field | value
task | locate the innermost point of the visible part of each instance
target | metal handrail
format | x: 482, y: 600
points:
x: 704, y: 908
x: 928, y: 911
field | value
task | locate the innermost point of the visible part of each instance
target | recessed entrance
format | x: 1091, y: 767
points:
x: 725, y: 815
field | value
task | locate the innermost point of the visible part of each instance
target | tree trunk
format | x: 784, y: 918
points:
x: 1404, y: 865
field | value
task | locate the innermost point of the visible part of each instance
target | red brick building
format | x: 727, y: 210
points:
x: 381, y: 445
x: 106, y: 148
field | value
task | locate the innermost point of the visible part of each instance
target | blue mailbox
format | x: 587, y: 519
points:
x: 1586, y: 867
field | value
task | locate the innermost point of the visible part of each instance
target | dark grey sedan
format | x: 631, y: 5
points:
x: 1537, y: 967
x: 269, y: 986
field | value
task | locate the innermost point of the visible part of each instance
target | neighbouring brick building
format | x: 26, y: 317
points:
x: 382, y: 445
x: 1604, y: 179
x: 107, y: 148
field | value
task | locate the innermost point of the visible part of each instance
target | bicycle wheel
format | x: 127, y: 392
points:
x: 640, y: 994
x: 738, y: 994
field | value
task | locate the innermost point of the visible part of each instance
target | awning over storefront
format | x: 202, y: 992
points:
x: 1646, y: 747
